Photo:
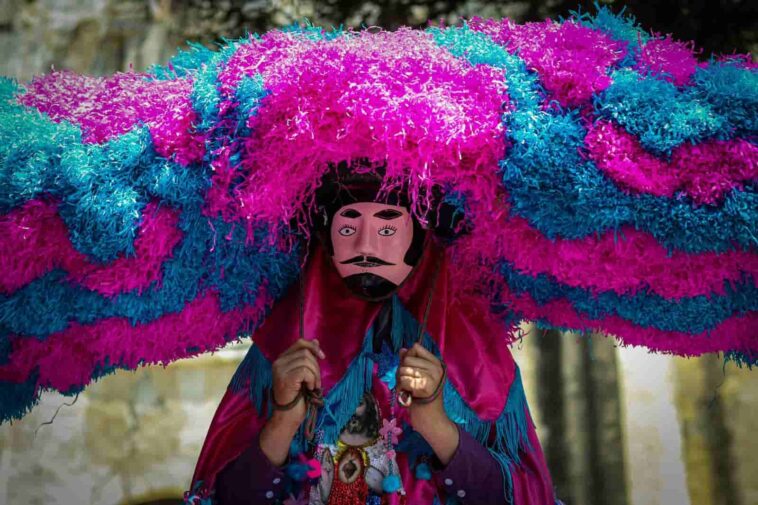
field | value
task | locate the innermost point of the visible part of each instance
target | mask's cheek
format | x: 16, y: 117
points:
x: 344, y: 247
x: 345, y: 270
x: 392, y: 251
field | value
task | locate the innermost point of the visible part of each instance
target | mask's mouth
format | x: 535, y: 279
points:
x: 366, y: 261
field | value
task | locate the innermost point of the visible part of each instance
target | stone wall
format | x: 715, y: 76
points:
x: 129, y: 438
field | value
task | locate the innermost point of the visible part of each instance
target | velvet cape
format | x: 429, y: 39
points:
x: 471, y: 342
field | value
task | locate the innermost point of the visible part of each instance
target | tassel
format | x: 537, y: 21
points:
x: 254, y: 372
x: 391, y: 483
x: 423, y: 472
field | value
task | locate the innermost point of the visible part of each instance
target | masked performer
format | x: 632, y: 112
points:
x: 582, y: 174
x: 380, y: 324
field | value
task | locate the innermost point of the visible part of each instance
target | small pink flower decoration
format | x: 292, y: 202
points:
x: 390, y: 431
x: 314, y: 465
x: 391, y: 454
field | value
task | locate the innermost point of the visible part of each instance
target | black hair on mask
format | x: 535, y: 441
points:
x: 360, y: 181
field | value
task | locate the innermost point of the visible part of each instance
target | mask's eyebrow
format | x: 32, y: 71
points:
x: 388, y: 214
x: 350, y: 213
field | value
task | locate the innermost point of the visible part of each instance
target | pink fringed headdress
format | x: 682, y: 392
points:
x: 606, y: 179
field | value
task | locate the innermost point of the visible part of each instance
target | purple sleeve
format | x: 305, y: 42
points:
x: 472, y: 475
x: 251, y: 478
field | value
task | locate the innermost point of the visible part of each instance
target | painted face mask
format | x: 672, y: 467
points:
x: 370, y: 242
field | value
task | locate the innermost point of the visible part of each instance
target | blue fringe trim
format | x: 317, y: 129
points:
x: 565, y: 197
x: 342, y: 400
x: 233, y: 124
x: 39, y: 157
x: 18, y: 399
x: 185, y: 62
x: 205, y: 96
x: 510, y: 428
x: 524, y: 88
x: 254, y: 374
x: 316, y: 33
x: 198, y: 495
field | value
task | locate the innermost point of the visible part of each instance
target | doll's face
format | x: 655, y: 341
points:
x: 370, y: 241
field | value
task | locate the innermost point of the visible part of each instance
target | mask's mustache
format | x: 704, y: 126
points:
x: 366, y: 261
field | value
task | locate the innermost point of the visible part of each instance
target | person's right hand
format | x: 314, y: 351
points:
x: 295, y: 367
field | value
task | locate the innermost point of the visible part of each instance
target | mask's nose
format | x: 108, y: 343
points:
x: 366, y: 241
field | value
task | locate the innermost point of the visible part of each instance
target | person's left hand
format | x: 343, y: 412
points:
x: 420, y: 373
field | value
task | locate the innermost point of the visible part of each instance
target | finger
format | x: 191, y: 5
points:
x: 413, y: 351
x: 302, y: 353
x: 312, y: 345
x: 311, y: 360
x: 295, y: 365
x: 413, y: 384
x: 297, y: 358
x: 422, y: 382
x: 423, y: 352
x: 320, y: 352
x: 420, y: 363
x: 405, y: 384
x: 409, y: 371
x: 305, y: 375
x: 312, y: 364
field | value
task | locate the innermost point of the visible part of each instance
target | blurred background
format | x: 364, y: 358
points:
x: 619, y: 426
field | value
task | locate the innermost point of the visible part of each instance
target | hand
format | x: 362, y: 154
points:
x: 420, y: 373
x: 294, y: 368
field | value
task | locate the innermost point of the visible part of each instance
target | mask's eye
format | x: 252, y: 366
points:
x: 387, y: 231
x: 346, y: 231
